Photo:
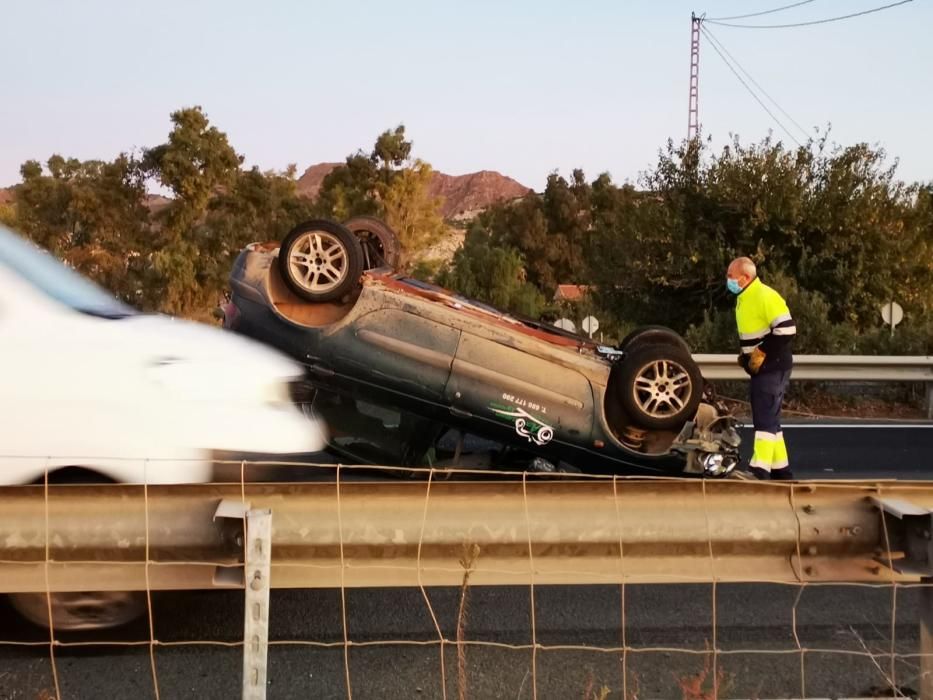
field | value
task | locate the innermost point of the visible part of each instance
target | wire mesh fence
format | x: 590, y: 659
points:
x: 449, y: 624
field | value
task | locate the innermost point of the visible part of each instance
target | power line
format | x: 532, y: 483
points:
x: 808, y: 24
x: 750, y: 91
x: 759, y: 14
x: 715, y: 40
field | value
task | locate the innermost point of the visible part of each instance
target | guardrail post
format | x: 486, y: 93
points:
x: 926, y: 640
x: 908, y: 530
x: 258, y: 561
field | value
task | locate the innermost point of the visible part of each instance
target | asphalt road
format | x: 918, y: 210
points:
x: 394, y: 653
x: 856, y: 450
x: 754, y: 631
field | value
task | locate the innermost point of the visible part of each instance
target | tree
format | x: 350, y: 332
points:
x: 834, y: 219
x: 258, y: 206
x: 388, y: 184
x: 197, y: 163
x: 412, y: 212
x: 359, y: 187
x: 552, y: 231
x: 350, y: 190
x: 492, y: 274
x: 90, y: 214
x: 391, y: 153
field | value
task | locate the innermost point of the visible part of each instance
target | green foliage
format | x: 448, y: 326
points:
x: 412, y: 212
x: 552, y: 231
x: 427, y: 270
x: 359, y: 187
x: 93, y: 215
x: 832, y: 225
x: 350, y: 190
x: 195, y: 163
x: 836, y: 220
x: 8, y: 214
x: 388, y: 184
x: 90, y: 214
x: 391, y: 151
x: 259, y: 206
x: 492, y: 274
x: 913, y: 337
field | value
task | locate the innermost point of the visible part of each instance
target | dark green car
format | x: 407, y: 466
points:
x: 327, y: 296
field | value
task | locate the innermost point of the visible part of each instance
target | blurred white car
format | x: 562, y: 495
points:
x: 91, y: 390
x: 88, y: 382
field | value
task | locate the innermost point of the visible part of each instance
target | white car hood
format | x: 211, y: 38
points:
x: 163, y: 337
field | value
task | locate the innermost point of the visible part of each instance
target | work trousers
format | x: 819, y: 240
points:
x: 767, y: 395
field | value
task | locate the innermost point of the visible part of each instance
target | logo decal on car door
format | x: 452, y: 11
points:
x: 526, y: 425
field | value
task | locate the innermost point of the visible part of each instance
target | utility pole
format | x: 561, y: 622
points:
x: 693, y: 115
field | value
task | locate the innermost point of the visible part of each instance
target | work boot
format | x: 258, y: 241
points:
x: 784, y: 474
x: 759, y: 473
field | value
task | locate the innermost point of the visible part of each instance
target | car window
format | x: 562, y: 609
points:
x: 362, y: 429
x: 377, y: 433
x: 55, y: 279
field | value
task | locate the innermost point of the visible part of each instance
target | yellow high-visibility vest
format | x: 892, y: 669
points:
x: 759, y: 312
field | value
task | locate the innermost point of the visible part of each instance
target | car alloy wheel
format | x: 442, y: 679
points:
x: 658, y: 386
x: 318, y: 261
x: 662, y: 388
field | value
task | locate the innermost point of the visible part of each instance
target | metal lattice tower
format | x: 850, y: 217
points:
x: 693, y: 115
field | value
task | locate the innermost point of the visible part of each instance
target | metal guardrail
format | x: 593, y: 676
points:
x: 837, y: 368
x: 538, y: 530
x: 363, y: 534
x: 862, y: 368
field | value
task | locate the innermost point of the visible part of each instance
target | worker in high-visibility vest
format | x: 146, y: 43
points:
x: 766, y: 334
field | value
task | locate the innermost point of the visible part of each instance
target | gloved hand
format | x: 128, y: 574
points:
x: 755, y: 360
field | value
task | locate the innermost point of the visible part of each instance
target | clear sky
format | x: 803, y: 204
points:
x: 523, y: 87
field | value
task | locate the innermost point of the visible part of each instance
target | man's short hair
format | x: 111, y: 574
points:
x: 745, y: 266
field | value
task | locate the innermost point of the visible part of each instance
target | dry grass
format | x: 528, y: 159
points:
x: 591, y: 692
x: 705, y: 685
x: 467, y: 561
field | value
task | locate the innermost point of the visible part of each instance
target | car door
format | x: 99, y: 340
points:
x: 538, y: 399
x: 391, y: 352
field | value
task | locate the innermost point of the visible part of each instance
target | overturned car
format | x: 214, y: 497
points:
x: 328, y: 296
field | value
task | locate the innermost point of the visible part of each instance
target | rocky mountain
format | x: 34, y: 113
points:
x: 309, y: 184
x: 464, y: 195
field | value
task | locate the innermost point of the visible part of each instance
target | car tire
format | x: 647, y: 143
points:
x: 76, y: 611
x: 80, y: 611
x: 659, y: 386
x: 653, y: 335
x: 320, y: 260
x: 380, y: 244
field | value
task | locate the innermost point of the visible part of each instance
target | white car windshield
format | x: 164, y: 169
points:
x: 56, y: 280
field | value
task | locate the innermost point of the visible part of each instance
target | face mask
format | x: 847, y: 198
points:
x: 733, y: 286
